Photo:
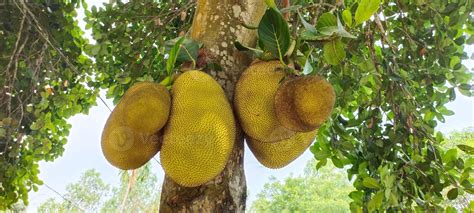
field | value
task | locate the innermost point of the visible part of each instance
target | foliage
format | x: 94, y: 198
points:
x: 91, y: 194
x: 392, y: 84
x: 131, y: 41
x: 456, y: 138
x: 43, y: 77
x: 323, y: 190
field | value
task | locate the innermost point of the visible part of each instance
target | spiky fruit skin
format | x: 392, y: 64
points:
x: 279, y: 154
x: 304, y: 103
x: 131, y: 134
x: 201, y: 131
x: 254, y: 100
x: 284, y: 108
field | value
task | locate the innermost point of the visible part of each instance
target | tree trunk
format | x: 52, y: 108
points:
x: 218, y: 24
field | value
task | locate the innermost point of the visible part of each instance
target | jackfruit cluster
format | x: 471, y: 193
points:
x: 131, y: 134
x: 194, y: 126
x: 200, y: 133
x: 280, y: 114
x: 254, y: 101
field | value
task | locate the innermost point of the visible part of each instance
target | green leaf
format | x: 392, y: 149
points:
x: 248, y: 26
x: 242, y: 47
x: 466, y: 148
x: 347, y: 17
x: 445, y: 111
x: 37, y: 125
x: 334, y: 52
x: 376, y: 201
x: 337, y: 162
x: 453, y: 193
x: 355, y: 208
x: 94, y: 49
x: 307, y: 69
x: 321, y: 163
x: 273, y: 33
x: 308, y: 36
x: 357, y: 196
x: 455, y: 60
x: 451, y: 209
x: 173, y: 55
x: 365, y: 10
x: 450, y: 155
x: 326, y: 20
x: 336, y: 30
x: 310, y: 28
x: 188, y: 50
x: 321, y: 154
x: 371, y: 183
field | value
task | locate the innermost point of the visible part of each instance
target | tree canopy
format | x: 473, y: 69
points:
x: 394, y: 65
x: 323, y: 190
x: 44, y: 77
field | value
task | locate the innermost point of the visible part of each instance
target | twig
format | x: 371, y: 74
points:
x: 10, y: 84
x: 131, y: 182
x: 382, y: 33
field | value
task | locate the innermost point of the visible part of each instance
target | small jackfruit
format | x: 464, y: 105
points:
x: 281, y: 153
x: 201, y: 131
x: 131, y: 134
x: 304, y: 103
x: 254, y: 101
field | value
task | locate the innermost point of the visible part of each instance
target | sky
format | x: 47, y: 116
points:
x: 83, y: 150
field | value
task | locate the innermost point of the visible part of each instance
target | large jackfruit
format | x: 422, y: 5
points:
x: 131, y: 134
x: 254, y: 101
x: 200, y: 133
x: 281, y: 153
x: 304, y: 103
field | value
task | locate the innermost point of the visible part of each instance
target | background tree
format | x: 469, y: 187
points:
x: 458, y: 140
x: 394, y: 65
x: 323, y: 190
x: 85, y: 195
x: 138, y: 191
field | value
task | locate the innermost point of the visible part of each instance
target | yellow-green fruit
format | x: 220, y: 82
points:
x: 254, y: 100
x: 131, y: 134
x: 146, y: 107
x: 281, y: 153
x: 304, y: 103
x: 200, y: 133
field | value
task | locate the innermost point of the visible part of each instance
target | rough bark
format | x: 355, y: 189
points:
x: 217, y: 24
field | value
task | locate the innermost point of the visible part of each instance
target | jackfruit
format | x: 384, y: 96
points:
x: 304, y: 103
x: 201, y: 131
x: 281, y: 153
x: 254, y: 101
x: 131, y: 134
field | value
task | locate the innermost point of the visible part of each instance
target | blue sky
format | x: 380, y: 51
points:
x: 83, y: 149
